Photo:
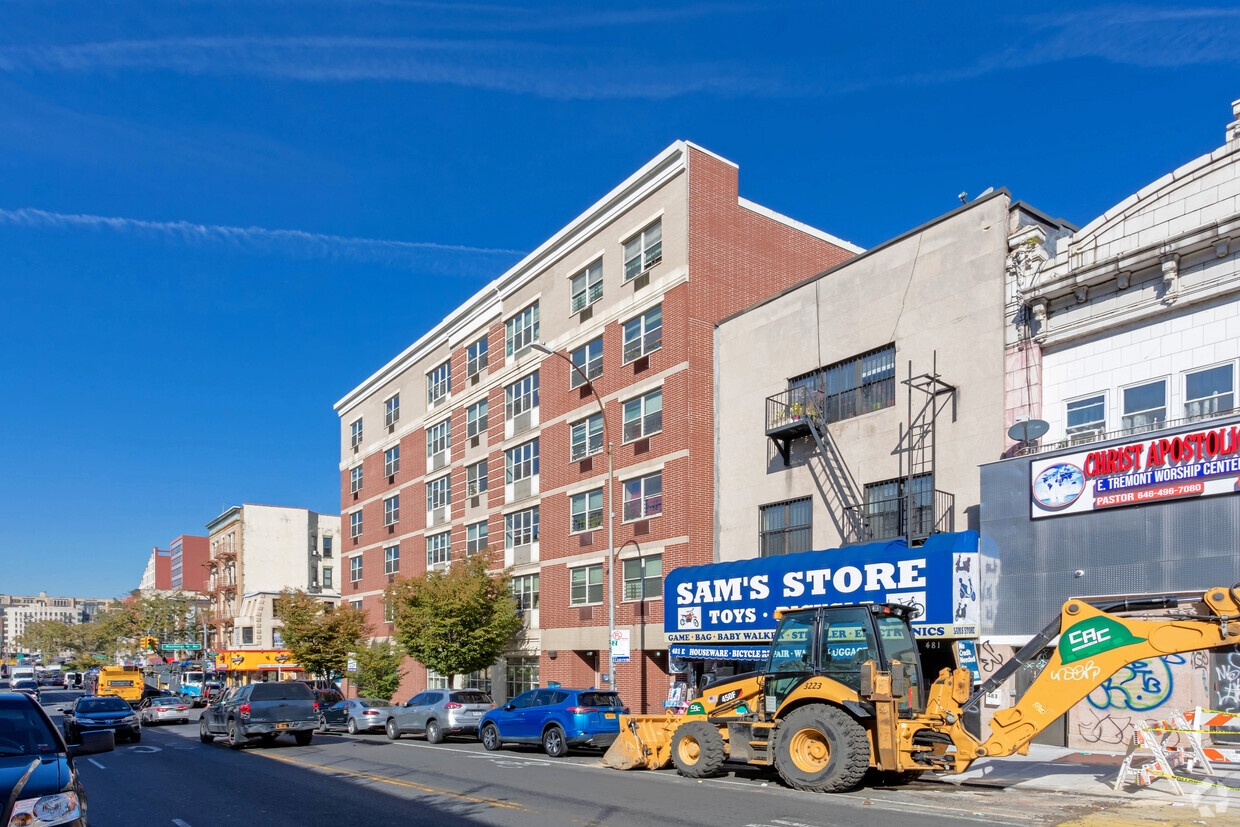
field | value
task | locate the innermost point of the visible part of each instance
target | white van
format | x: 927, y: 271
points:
x: 21, y: 673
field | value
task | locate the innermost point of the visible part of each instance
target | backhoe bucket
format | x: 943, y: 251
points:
x: 645, y: 742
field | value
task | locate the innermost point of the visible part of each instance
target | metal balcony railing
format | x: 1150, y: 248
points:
x: 1087, y: 437
x: 791, y: 411
x: 890, y: 518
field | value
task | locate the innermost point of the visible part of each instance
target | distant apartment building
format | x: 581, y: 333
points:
x: 255, y: 552
x: 18, y: 611
x: 475, y: 440
x: 157, y: 576
x: 188, y: 563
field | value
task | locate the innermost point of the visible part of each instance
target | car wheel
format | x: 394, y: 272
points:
x: 490, y: 737
x: 352, y: 727
x: 235, y: 741
x: 554, y: 743
x: 393, y: 731
x: 322, y: 724
x: 303, y: 738
x: 434, y: 734
x: 203, y: 735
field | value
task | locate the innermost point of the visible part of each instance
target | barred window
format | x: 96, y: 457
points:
x: 391, y: 510
x: 643, y: 416
x: 476, y: 357
x: 391, y: 411
x: 643, y: 335
x: 521, y: 330
x: 587, y: 286
x: 439, y: 437
x: 475, y: 478
x: 589, y: 358
x: 586, y: 437
x: 521, y: 462
x: 889, y: 512
x: 439, y: 383
x: 787, y: 527
x: 437, y: 549
x: 391, y: 461
x: 585, y: 585
x: 521, y: 396
x: 643, y: 578
x: 476, y: 419
x: 475, y: 538
x: 643, y: 250
x: 586, y: 510
x: 521, y: 528
x: 439, y: 492
x: 391, y: 559
x: 643, y: 497
x: 852, y: 387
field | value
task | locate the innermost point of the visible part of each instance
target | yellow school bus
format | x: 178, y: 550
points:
x: 122, y: 681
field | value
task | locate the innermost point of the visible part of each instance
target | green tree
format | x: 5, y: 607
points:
x: 47, y: 637
x: 456, y: 621
x: 320, y: 638
x: 378, y: 670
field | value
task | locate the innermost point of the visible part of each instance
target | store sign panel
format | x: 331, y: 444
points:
x: 735, y: 603
x: 1166, y: 467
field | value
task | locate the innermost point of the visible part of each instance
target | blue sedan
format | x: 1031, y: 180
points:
x: 557, y: 718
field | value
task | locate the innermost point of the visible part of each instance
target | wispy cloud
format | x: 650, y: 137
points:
x: 419, y: 255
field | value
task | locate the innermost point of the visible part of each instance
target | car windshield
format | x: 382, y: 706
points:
x: 377, y: 703
x: 287, y: 691
x: 23, y: 731
x: 471, y: 698
x: 193, y: 677
x: 608, y: 700
x: 25, y: 685
x: 102, y: 705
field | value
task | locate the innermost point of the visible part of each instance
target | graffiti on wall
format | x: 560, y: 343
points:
x: 1095, y: 727
x: 987, y: 658
x: 1225, y: 688
x: 1139, y: 686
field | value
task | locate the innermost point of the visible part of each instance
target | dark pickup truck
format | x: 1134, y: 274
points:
x: 261, y: 710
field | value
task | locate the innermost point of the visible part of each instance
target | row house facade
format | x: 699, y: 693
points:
x: 476, y: 440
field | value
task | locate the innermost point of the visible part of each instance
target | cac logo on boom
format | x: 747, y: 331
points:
x: 1093, y: 636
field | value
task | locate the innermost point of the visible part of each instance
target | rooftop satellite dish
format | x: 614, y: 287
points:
x: 1028, y: 430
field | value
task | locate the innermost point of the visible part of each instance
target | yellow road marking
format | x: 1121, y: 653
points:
x: 490, y: 802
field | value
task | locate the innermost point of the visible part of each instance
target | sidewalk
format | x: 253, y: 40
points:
x: 1057, y: 769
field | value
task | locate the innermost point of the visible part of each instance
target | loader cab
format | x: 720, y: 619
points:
x: 835, y: 641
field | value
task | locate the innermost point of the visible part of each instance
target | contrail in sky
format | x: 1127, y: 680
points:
x: 298, y: 243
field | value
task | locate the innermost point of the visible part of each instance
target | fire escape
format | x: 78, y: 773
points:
x: 910, y: 506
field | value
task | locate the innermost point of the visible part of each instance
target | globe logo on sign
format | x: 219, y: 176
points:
x: 1058, y: 486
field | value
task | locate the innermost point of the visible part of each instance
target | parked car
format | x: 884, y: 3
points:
x: 556, y: 718
x: 37, y: 768
x: 27, y: 687
x: 439, y: 713
x: 355, y: 715
x: 261, y: 710
x: 165, y: 707
x: 327, y: 697
x: 94, y: 713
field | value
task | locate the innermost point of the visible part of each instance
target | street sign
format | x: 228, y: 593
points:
x: 180, y: 646
x: 351, y: 666
x: 620, y: 646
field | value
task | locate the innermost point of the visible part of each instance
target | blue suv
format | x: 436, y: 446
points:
x: 557, y: 718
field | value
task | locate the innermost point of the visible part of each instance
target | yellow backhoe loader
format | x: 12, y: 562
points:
x: 842, y: 693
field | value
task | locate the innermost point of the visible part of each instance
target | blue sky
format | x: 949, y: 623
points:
x: 216, y: 218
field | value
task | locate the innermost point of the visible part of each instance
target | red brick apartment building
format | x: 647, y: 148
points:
x: 472, y: 439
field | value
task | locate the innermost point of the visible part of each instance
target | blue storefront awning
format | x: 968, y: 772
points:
x: 696, y: 652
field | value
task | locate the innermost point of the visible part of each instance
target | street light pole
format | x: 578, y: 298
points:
x: 611, y: 514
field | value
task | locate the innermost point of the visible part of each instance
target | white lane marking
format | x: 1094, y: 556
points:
x: 96, y: 763
x: 179, y: 823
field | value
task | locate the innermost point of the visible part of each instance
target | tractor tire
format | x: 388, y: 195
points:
x: 697, y: 749
x: 819, y: 748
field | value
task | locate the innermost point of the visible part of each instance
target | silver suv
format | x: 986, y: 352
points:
x: 439, y: 713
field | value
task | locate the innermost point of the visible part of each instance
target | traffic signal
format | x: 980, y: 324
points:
x: 149, y: 643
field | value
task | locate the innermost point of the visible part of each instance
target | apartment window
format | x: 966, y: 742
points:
x: 643, y: 416
x: 849, y: 388
x: 586, y: 510
x: 520, y: 675
x: 585, y: 585
x: 587, y: 286
x: 391, y: 560
x: 586, y: 437
x: 437, y: 549
x: 389, y: 610
x: 521, y: 330
x: 1145, y: 406
x: 327, y: 577
x: 521, y: 528
x: 438, y: 383
x: 888, y: 512
x: 475, y: 478
x: 355, y: 524
x: 439, y: 492
x: 439, y: 437
x: 1208, y: 392
x: 480, y: 680
x: 327, y: 546
x: 434, y: 680
x: 355, y: 568
x: 521, y: 396
x: 643, y: 578
x: 1087, y: 416
x: 355, y: 479
x: 391, y: 461
x: 521, y: 462
x: 475, y: 538
x: 643, y: 335
x: 247, y: 635
x: 589, y: 358
x: 643, y: 250
x: 643, y: 497
x: 476, y: 357
x: 787, y: 527
x: 391, y: 411
x: 476, y: 419
x: 356, y: 604
x: 525, y: 592
x: 391, y: 510
x: 356, y: 431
